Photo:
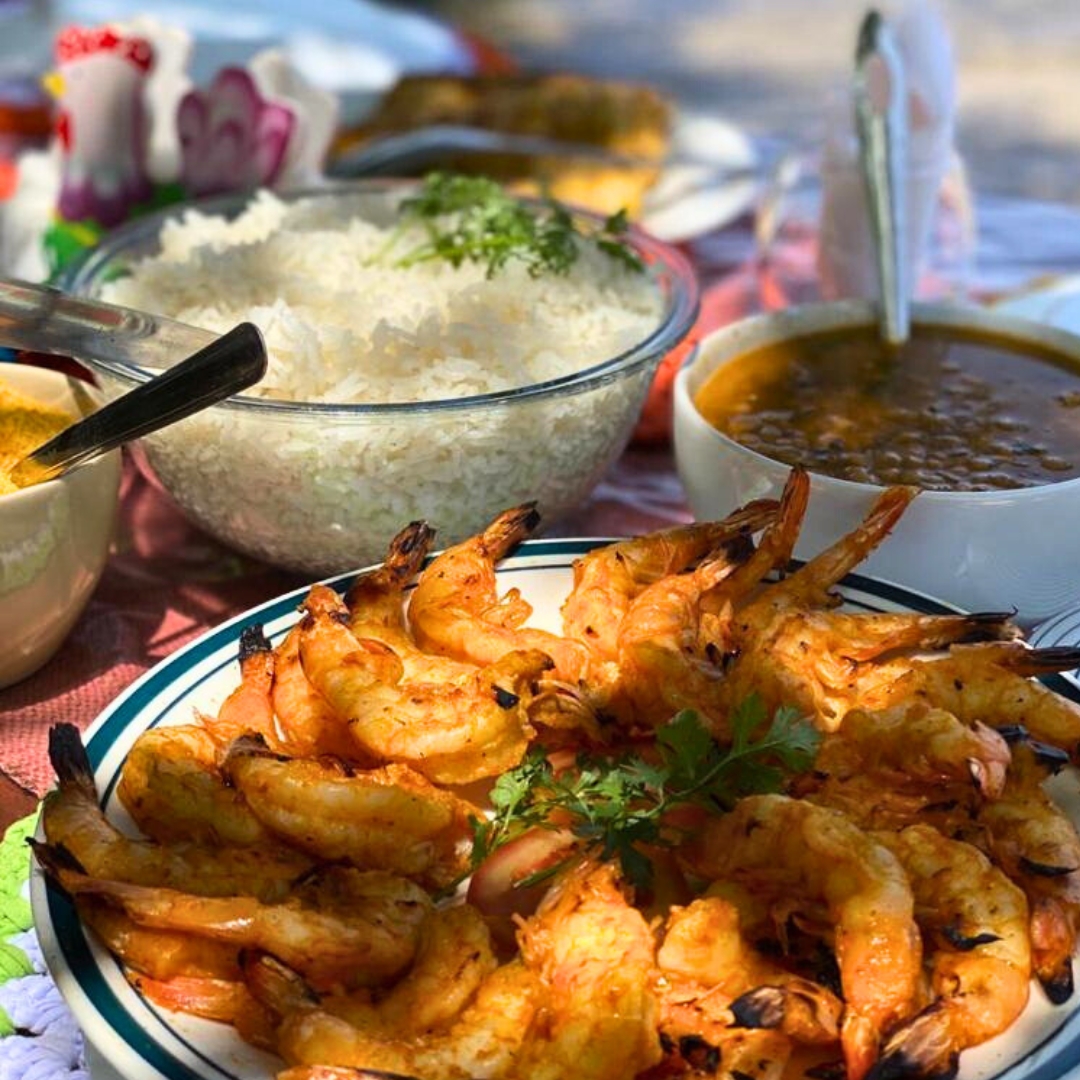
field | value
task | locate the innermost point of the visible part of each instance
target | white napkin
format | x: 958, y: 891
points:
x: 846, y: 264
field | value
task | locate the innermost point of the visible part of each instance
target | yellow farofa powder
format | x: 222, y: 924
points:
x: 24, y: 425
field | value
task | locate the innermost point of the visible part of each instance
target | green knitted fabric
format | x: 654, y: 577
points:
x: 15, y: 915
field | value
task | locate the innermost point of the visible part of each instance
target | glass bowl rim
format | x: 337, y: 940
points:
x: 682, y: 303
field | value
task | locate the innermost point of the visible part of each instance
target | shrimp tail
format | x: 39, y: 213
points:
x: 1052, y: 943
x: 253, y: 643
x: 807, y: 1012
x: 69, y: 759
x: 1058, y: 985
x: 920, y: 1050
x: 56, y: 860
x: 404, y: 557
x: 1045, y: 661
x: 276, y: 986
x: 510, y: 528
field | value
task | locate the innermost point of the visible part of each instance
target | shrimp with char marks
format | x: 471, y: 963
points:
x: 914, y: 747
x: 715, y: 979
x: 976, y: 923
x: 456, y: 610
x: 664, y: 663
x: 609, y: 578
x: 73, y: 819
x: 172, y: 787
x: 1032, y: 839
x: 453, y: 960
x: 309, y: 727
x: 388, y: 818
x: 817, y: 862
x: 249, y: 708
x: 993, y: 682
x: 452, y: 734
x: 786, y: 645
x: 340, y: 927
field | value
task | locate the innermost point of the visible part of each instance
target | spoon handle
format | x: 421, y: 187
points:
x: 880, y: 104
x: 229, y: 364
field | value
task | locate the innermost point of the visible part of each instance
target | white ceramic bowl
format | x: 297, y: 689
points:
x: 983, y: 550
x: 322, y: 488
x: 54, y: 537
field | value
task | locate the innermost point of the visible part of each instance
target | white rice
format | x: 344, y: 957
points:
x: 344, y: 323
x: 342, y: 326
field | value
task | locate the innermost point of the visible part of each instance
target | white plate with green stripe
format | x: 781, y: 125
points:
x: 138, y: 1040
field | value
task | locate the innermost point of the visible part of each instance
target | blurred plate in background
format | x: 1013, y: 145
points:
x: 1056, y: 303
x: 709, y: 183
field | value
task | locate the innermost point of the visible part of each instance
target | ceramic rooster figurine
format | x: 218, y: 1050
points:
x: 102, y: 126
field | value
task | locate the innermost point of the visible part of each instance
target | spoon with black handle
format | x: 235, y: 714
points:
x: 226, y: 366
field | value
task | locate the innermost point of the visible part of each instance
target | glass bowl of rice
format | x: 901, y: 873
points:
x: 402, y: 384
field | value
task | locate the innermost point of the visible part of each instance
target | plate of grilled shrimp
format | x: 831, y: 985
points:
x: 663, y: 806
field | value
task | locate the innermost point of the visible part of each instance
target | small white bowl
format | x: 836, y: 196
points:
x: 54, y: 537
x: 979, y: 551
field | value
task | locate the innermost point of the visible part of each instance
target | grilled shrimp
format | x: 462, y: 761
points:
x: 991, y: 682
x: 715, y: 977
x: 227, y: 1001
x: 811, y: 585
x: 375, y: 604
x: 453, y: 960
x: 774, y: 552
x: 249, y: 707
x: 666, y: 662
x: 162, y: 955
x: 389, y: 818
x: 375, y: 611
x: 1028, y: 835
x: 456, y: 609
x: 340, y: 928
x: 976, y: 923
x: 73, y: 819
x: 171, y: 785
x: 483, y: 1041
x: 816, y: 861
x: 594, y: 955
x: 825, y: 663
x: 309, y: 727
x: 915, y: 744
x: 609, y: 578
x: 452, y: 734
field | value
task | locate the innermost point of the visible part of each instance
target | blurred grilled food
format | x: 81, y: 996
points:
x: 624, y: 118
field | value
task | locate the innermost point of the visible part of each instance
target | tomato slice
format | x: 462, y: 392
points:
x: 495, y: 885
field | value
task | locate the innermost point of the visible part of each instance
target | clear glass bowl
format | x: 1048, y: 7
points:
x: 322, y: 488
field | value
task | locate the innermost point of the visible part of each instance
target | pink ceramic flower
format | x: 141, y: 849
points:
x: 231, y: 137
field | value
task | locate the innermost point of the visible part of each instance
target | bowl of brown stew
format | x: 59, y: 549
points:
x: 979, y: 410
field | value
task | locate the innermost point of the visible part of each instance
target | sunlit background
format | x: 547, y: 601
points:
x: 772, y: 64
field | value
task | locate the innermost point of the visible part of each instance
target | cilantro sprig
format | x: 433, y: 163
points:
x: 616, y: 806
x: 473, y: 219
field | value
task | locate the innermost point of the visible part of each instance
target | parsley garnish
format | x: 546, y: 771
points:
x: 472, y: 218
x: 615, y: 805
